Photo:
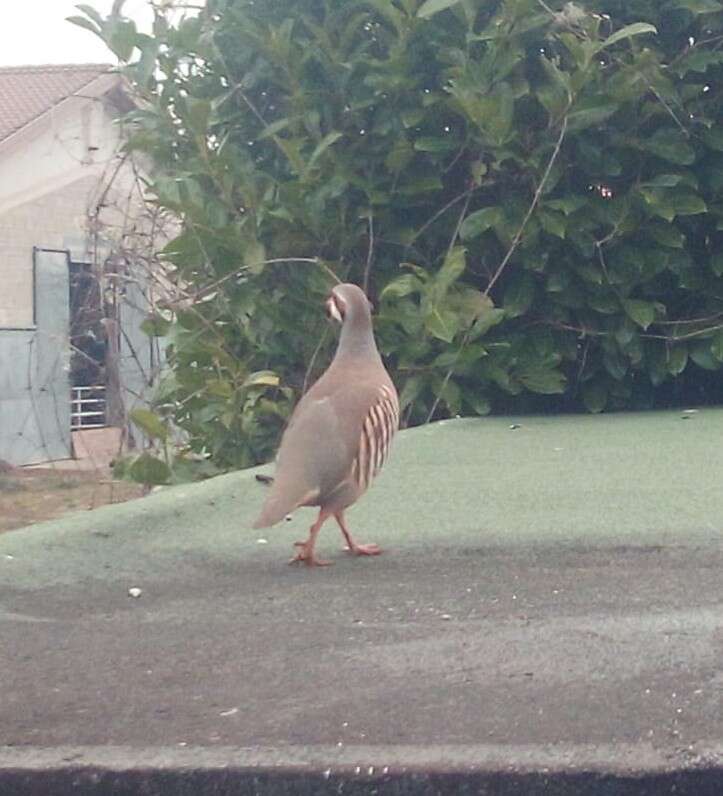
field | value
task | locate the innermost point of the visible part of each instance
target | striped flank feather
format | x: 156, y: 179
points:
x: 380, y: 424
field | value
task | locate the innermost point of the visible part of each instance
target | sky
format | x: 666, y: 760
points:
x: 35, y: 32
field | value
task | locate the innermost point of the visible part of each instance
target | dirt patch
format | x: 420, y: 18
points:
x: 33, y: 495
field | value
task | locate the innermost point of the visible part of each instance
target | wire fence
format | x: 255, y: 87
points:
x: 69, y: 381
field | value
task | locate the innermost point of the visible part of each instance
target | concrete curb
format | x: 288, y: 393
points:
x: 564, y: 770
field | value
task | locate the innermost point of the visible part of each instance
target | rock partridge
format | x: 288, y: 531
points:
x: 339, y: 433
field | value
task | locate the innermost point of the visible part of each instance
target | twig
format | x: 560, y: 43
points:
x: 465, y: 339
x: 370, y: 255
x: 547, y: 8
x: 535, y: 201
x: 310, y: 260
x: 439, y: 213
x: 705, y: 319
x: 312, y: 361
x: 460, y: 221
x: 515, y: 242
x: 666, y: 337
x: 583, y: 362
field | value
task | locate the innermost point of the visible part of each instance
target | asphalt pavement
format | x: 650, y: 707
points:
x: 547, y: 617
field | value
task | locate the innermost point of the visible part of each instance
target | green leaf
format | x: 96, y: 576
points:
x: 478, y: 222
x: 270, y: 130
x: 636, y: 29
x: 449, y: 393
x: 662, y: 181
x: 156, y: 326
x: 469, y: 304
x: 435, y: 144
x: 702, y: 355
x: 642, y: 312
x: 478, y: 403
x: 713, y: 137
x: 554, y: 95
x: 459, y: 356
x: 687, y: 204
x: 594, y: 116
x: 478, y: 169
x: 716, y: 264
x: 146, y: 469
x: 410, y: 392
x: 699, y: 6
x: 656, y: 362
x: 82, y: 22
x: 595, y: 395
x: 543, y: 380
x: 420, y: 186
x: 91, y: 12
x: 431, y: 7
x: 442, y: 324
x: 402, y: 286
x: 552, y: 222
x: 121, y: 36
x: 221, y: 388
x: 716, y: 346
x: 677, y: 358
x: 568, y: 204
x: 499, y: 120
x: 327, y: 141
x: 519, y: 296
x: 666, y: 235
x: 698, y: 60
x: 670, y: 145
x: 400, y: 156
x: 254, y: 256
x: 615, y: 364
x: 486, y: 321
x: 149, y: 423
x: 412, y: 117
x: 670, y: 204
x: 265, y: 378
x: 198, y: 113
x: 291, y: 147
x: 146, y: 65
x: 451, y: 270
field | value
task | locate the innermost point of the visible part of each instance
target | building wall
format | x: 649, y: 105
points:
x: 54, y: 221
x: 49, y: 177
x: 34, y: 367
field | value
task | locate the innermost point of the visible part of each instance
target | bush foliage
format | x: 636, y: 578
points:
x: 529, y: 189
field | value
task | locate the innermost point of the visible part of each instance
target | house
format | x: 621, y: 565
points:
x: 72, y: 356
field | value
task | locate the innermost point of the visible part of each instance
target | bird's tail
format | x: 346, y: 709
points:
x: 272, y: 512
x: 279, y: 503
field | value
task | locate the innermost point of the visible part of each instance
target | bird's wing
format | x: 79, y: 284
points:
x: 322, y: 446
x: 380, y: 424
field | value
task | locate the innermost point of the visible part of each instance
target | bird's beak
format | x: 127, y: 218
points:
x: 332, y: 310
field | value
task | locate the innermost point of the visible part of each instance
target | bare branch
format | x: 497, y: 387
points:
x: 370, y: 255
x: 535, y: 201
x: 513, y: 246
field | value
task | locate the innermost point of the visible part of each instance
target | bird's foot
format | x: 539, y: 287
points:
x: 363, y: 549
x: 306, y: 555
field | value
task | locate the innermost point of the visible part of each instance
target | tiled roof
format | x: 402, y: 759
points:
x: 27, y: 92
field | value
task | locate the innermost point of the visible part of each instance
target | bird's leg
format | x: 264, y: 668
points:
x: 351, y: 545
x: 306, y: 549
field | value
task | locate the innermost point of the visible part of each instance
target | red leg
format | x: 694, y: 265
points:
x: 351, y: 545
x: 306, y: 549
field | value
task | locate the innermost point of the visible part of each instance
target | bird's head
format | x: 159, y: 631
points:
x: 347, y: 301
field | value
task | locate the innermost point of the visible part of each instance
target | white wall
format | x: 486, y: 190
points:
x: 49, y: 177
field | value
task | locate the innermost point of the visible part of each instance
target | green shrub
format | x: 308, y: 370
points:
x: 531, y: 192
